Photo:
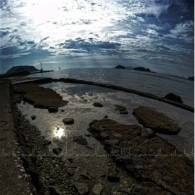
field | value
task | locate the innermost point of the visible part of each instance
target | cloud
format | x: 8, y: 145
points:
x: 183, y: 31
x: 89, y: 45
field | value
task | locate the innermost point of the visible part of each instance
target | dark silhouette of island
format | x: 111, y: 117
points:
x: 139, y: 68
x: 21, y: 70
x: 24, y: 70
x: 142, y: 69
x: 191, y: 78
x: 120, y: 67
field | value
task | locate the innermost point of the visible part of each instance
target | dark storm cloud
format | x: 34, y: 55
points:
x: 89, y: 45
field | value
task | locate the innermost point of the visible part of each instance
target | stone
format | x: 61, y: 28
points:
x: 124, y: 112
x: 96, y: 104
x: 70, y: 171
x: 113, y: 178
x: 155, y: 120
x: 120, y: 108
x: 147, y: 132
x: 80, y: 140
x: 33, y: 117
x: 52, y: 109
x: 86, y: 175
x: 57, y: 151
x: 97, y: 189
x: 82, y: 188
x: 68, y: 121
x: 173, y: 97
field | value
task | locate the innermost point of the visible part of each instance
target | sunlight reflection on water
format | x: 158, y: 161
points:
x: 59, y: 132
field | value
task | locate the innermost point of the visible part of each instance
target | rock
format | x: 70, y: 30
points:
x: 86, y: 176
x: 70, y: 171
x: 57, y: 151
x: 124, y: 112
x: 173, y: 97
x: 82, y: 188
x: 113, y: 178
x: 96, y: 104
x: 156, y: 121
x: 80, y: 140
x: 33, y: 117
x: 88, y: 134
x: 106, y: 116
x: 120, y: 108
x: 120, y: 67
x: 147, y: 132
x: 68, y: 121
x: 97, y: 189
x: 70, y: 160
x: 52, y: 109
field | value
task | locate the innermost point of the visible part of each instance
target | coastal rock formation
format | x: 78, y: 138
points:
x: 120, y: 67
x: 173, y: 97
x: 147, y: 159
x: 157, y: 121
x: 40, y: 97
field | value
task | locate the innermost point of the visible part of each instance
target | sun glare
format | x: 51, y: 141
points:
x: 59, y: 132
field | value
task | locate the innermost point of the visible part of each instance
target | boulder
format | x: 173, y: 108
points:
x: 173, y: 97
x: 97, y: 104
x: 156, y: 121
x: 68, y: 121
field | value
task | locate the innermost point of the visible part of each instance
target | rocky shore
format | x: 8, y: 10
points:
x: 133, y: 158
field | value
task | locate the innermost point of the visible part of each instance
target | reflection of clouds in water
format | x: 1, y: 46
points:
x: 59, y: 132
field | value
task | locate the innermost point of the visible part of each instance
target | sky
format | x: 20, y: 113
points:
x: 157, y: 34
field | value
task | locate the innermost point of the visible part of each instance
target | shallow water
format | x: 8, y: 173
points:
x: 155, y: 83
x: 80, y: 107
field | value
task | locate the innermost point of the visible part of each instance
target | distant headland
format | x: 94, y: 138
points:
x: 140, y: 68
x: 24, y: 70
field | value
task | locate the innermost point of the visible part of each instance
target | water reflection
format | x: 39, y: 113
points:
x: 59, y: 132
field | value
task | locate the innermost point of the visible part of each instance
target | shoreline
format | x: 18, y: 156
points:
x: 52, y: 173
x: 109, y: 86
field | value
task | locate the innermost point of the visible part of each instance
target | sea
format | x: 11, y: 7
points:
x: 154, y: 83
